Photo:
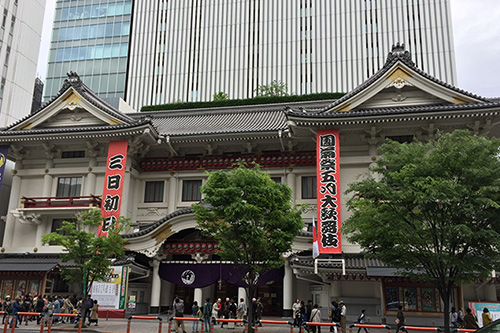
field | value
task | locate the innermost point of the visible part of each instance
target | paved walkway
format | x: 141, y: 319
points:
x: 152, y: 326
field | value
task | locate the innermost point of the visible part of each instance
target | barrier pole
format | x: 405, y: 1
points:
x: 49, y: 324
x: 80, y: 324
x: 420, y: 328
x: 212, y: 327
x: 203, y: 326
x: 6, y: 323
x: 465, y: 330
x: 169, y: 326
x: 42, y: 324
x: 160, y: 324
x: 15, y: 322
x: 128, y: 324
x: 245, y: 330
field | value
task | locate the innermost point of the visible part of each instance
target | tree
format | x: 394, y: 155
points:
x: 251, y: 217
x: 220, y: 96
x: 432, y: 210
x: 91, y: 254
x: 275, y: 88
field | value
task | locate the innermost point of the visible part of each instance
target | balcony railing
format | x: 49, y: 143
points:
x: 51, y: 202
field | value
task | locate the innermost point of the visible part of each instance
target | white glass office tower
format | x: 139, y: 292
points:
x: 91, y: 38
x: 20, y: 34
x: 188, y: 50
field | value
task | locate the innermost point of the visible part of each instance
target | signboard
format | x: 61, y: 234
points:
x: 478, y: 308
x: 3, y: 161
x: 112, y: 292
x: 328, y: 187
x: 113, y: 185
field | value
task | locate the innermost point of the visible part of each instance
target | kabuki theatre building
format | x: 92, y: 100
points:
x: 78, y: 153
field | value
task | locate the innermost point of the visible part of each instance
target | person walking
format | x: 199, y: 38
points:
x: 296, y: 313
x: 486, y: 317
x: 335, y: 315
x: 179, y: 312
x: 315, y: 318
x: 16, y: 307
x: 195, y: 308
x: 343, y: 316
x: 453, y: 318
x: 400, y: 318
x: 7, y: 308
x: 89, y: 303
x: 242, y: 310
x: 48, y: 309
x: 94, y: 314
x: 470, y: 321
x: 361, y: 320
x: 57, y: 310
x: 207, y: 314
x: 39, y: 305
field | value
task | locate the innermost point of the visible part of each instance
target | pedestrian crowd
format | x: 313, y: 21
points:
x: 209, y: 312
x: 47, y: 306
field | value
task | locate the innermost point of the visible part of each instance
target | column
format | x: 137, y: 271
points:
x: 198, y: 296
x: 167, y: 294
x: 288, y: 291
x: 10, y: 222
x: 40, y: 231
x: 172, y: 193
x: 91, y: 177
x: 291, y: 181
x: 155, y: 289
x: 242, y: 294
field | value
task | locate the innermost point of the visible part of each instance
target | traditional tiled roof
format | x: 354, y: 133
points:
x: 227, y: 120
x: 149, y: 228
x: 61, y: 130
x: 352, y: 261
x: 394, y: 110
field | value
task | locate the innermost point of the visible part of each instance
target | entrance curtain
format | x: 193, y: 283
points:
x: 202, y: 275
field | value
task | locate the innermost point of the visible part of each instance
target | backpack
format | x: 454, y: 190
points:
x: 360, y: 319
x: 8, y: 307
x: 199, y: 313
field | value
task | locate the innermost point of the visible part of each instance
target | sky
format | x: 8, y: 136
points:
x: 476, y: 31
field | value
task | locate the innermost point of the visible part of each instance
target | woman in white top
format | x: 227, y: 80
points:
x: 315, y: 318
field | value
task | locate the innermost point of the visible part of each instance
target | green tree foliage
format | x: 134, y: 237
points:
x: 220, y: 96
x: 91, y: 254
x: 432, y: 210
x: 251, y: 217
x: 275, y: 88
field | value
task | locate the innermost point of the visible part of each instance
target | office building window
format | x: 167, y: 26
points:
x: 309, y: 187
x: 191, y: 190
x: 154, y: 191
x: 69, y: 186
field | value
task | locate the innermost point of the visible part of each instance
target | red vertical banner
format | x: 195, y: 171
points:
x: 113, y: 186
x: 328, y: 187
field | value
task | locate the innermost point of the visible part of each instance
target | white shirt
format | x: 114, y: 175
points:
x: 343, y: 311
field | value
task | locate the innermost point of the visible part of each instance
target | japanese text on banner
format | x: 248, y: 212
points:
x: 328, y: 187
x: 113, y: 185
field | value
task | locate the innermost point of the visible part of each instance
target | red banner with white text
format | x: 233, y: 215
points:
x: 113, y: 186
x: 328, y: 191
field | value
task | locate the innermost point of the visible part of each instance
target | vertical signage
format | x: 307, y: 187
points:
x: 3, y: 161
x: 328, y: 187
x: 113, y: 185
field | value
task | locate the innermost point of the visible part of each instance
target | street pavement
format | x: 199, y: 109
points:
x: 150, y: 326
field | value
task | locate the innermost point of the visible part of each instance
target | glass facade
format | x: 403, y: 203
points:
x: 93, y: 41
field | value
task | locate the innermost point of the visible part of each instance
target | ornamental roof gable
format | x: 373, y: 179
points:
x: 75, y: 106
x: 399, y: 83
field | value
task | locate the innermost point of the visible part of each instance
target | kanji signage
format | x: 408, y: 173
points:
x: 328, y: 187
x: 113, y: 185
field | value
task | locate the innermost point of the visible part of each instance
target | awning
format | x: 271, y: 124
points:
x: 23, y: 266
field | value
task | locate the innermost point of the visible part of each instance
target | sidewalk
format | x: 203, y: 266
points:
x: 151, y: 326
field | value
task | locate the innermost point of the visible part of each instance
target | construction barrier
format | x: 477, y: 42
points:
x: 420, y: 328
x: 234, y: 321
x: 464, y: 330
x: 312, y: 323
x: 6, y: 322
x: 274, y: 322
x: 129, y: 321
x: 365, y: 326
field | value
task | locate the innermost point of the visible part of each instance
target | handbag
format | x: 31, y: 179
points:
x: 397, y: 321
